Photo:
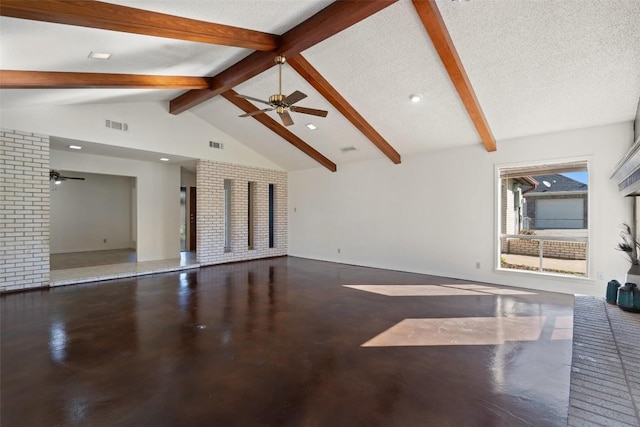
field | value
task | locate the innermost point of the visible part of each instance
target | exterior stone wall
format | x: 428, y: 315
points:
x: 24, y: 214
x: 551, y: 248
x: 210, y: 177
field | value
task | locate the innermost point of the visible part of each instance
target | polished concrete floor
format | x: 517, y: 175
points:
x: 285, y: 342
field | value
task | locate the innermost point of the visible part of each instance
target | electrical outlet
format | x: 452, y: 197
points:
x: 338, y: 250
x: 600, y: 275
x: 104, y: 240
x: 477, y: 266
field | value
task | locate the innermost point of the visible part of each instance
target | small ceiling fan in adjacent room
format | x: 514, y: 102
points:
x: 57, y: 177
x: 283, y: 104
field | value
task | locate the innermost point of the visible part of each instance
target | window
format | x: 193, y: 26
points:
x: 544, y: 221
x: 271, y: 215
x: 251, y: 195
x: 227, y: 215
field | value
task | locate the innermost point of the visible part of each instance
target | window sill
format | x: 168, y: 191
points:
x: 544, y: 275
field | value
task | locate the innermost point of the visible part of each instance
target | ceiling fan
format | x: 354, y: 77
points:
x: 57, y: 178
x: 283, y: 104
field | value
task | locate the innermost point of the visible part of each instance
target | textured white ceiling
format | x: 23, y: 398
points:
x: 537, y: 66
x: 547, y: 65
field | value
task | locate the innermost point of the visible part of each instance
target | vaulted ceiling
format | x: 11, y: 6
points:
x: 487, y: 70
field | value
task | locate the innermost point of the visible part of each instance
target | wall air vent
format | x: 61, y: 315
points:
x: 347, y: 149
x: 116, y: 125
x: 217, y: 145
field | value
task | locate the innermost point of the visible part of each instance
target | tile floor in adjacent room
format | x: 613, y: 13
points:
x: 285, y: 342
x: 93, y: 266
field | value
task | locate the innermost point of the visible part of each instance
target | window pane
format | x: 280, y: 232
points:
x: 544, y: 218
x: 251, y: 190
x: 271, y: 214
x: 227, y: 215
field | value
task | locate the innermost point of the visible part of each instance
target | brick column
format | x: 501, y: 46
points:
x: 24, y: 215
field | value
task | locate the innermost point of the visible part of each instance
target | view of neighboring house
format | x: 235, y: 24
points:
x: 543, y: 202
x: 513, y: 216
x: 557, y: 202
x: 554, y: 208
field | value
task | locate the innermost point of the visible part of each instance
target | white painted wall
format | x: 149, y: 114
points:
x: 157, y: 193
x: 151, y: 128
x: 83, y: 214
x: 187, y: 178
x: 436, y: 212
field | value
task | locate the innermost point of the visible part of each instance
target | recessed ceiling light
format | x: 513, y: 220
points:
x: 75, y: 147
x: 99, y: 55
x: 347, y: 149
x: 311, y: 126
x: 164, y: 159
x: 415, y: 97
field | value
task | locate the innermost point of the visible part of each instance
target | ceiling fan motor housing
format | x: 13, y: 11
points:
x: 276, y: 99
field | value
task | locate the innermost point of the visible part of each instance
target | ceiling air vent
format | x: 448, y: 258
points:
x: 116, y: 125
x: 347, y: 149
x: 217, y: 145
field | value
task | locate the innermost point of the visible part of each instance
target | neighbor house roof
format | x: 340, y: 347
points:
x: 557, y: 183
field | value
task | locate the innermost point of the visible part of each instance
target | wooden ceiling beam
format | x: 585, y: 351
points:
x: 437, y: 30
x: 107, y: 16
x: 280, y: 130
x: 311, y: 75
x: 324, y: 24
x: 12, y: 79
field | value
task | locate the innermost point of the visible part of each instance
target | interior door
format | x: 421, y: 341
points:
x: 192, y: 219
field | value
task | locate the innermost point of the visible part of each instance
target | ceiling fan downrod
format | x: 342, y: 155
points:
x: 278, y: 98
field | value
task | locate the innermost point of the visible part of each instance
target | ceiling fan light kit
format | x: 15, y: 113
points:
x: 283, y: 104
x: 57, y: 177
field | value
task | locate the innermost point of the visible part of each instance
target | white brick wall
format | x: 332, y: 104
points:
x: 210, y: 178
x: 24, y: 214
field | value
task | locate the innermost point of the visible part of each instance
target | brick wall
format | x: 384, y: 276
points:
x: 210, y: 178
x: 24, y: 216
x: 551, y: 248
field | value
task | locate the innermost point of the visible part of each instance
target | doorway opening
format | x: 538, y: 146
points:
x: 77, y: 206
x: 188, y: 215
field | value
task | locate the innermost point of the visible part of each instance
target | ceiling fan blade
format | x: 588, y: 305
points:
x: 312, y: 111
x: 294, y: 97
x: 253, y: 113
x: 286, y: 118
x: 253, y: 99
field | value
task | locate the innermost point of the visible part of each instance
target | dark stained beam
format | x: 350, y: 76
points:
x: 311, y: 75
x: 435, y: 26
x: 280, y: 130
x: 324, y: 24
x: 11, y: 79
x: 107, y: 16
